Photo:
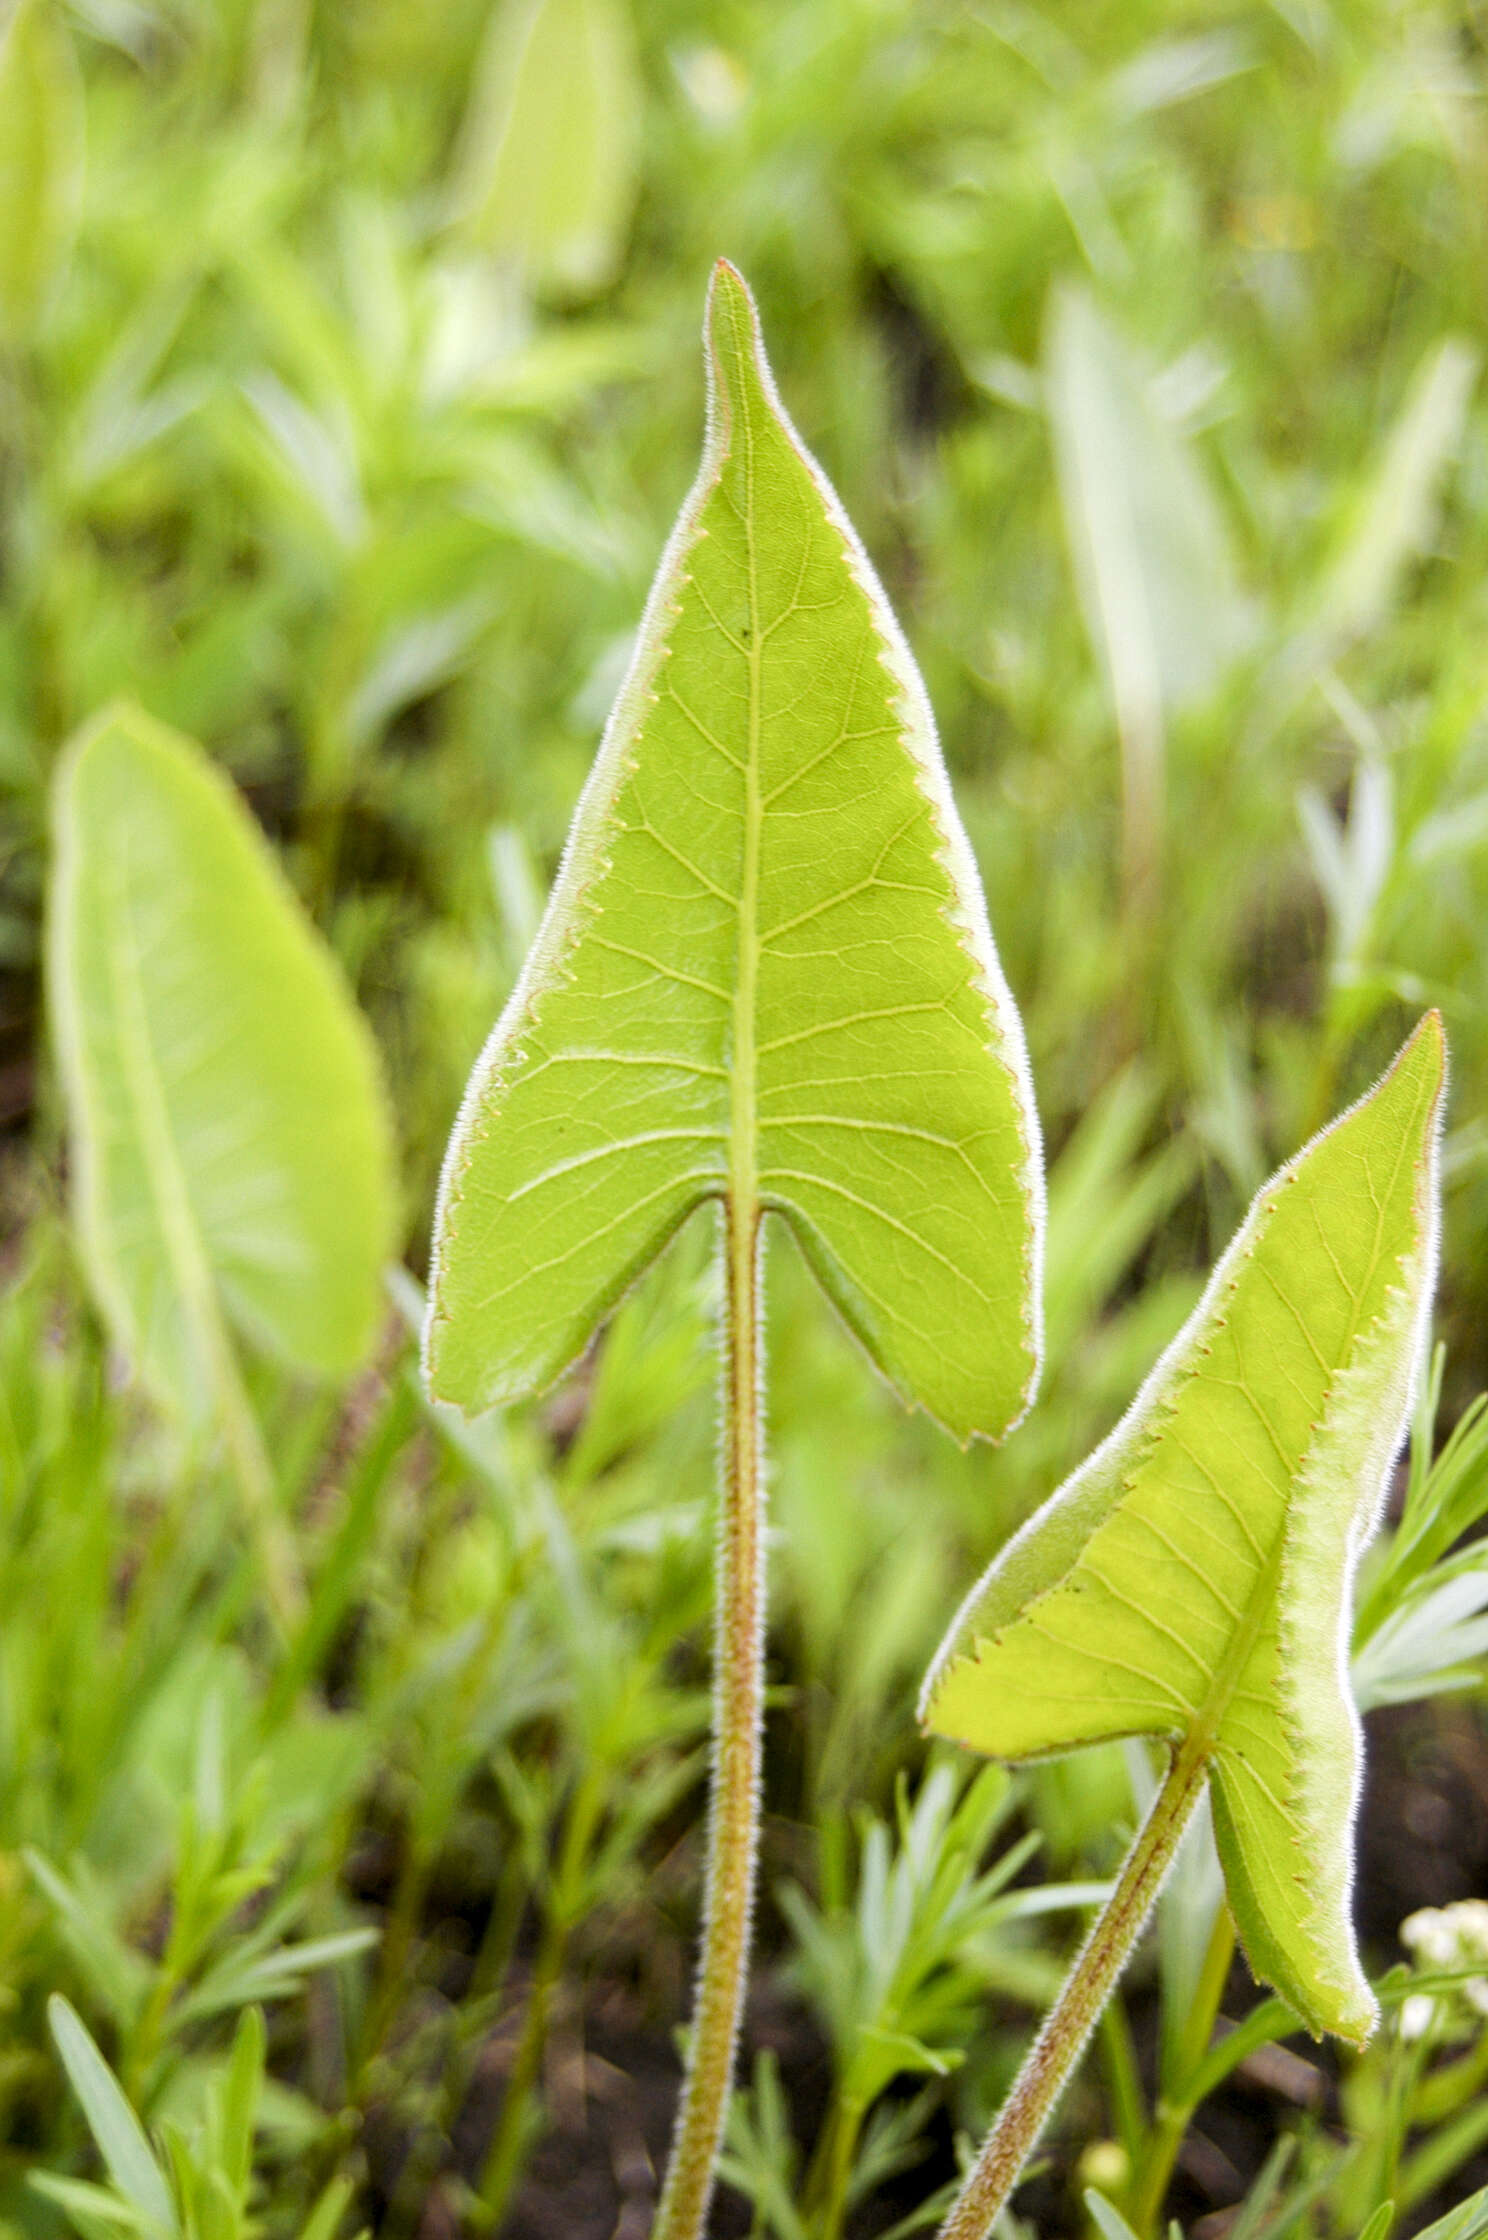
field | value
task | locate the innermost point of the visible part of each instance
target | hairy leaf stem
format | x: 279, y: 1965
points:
x: 738, y: 1692
x: 1087, y: 1987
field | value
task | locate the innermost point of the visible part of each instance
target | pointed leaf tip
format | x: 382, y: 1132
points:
x: 738, y: 372
x: 765, y: 970
x: 1193, y: 1580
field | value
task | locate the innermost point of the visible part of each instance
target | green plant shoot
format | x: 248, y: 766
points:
x: 1193, y: 1580
x: 765, y: 980
x: 232, y: 1148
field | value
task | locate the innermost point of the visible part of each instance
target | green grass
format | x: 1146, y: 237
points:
x: 288, y: 456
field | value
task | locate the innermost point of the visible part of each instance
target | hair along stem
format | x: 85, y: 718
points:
x: 738, y: 1700
x: 1075, y: 2012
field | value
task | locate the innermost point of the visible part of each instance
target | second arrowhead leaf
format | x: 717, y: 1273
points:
x: 1192, y: 1579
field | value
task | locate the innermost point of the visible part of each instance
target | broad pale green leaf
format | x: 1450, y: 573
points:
x: 548, y: 167
x: 231, y: 1141
x: 1193, y: 1579
x: 765, y: 974
x: 1153, y: 565
x: 1156, y: 572
x: 41, y: 160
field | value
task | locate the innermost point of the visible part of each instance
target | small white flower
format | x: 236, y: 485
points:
x: 1446, y: 1937
x: 1417, y: 2014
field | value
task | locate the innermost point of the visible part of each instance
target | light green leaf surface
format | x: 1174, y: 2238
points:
x: 41, y: 160
x: 231, y: 1144
x: 548, y: 167
x: 1154, y: 564
x: 1193, y: 1579
x: 1152, y: 560
x: 765, y: 974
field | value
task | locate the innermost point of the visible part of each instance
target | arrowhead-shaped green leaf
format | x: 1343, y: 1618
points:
x: 231, y: 1142
x: 1193, y: 1579
x: 765, y: 974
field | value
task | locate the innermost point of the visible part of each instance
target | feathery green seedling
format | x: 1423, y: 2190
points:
x: 1193, y: 1581
x: 765, y: 981
x: 897, y: 1970
x: 198, y: 2184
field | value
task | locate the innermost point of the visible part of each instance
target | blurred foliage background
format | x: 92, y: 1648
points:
x: 349, y: 384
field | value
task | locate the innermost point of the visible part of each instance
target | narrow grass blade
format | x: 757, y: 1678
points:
x: 113, y: 2123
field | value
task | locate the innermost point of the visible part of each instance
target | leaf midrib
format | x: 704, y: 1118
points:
x: 1203, y: 1729
x: 164, y: 1172
x: 743, y: 1144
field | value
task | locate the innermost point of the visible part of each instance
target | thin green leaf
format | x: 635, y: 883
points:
x: 1468, y: 2221
x: 1112, y: 2223
x: 765, y: 975
x: 1193, y: 1579
x: 1264, y: 2188
x: 97, y: 2212
x: 115, y: 1973
x: 1264, y: 2024
x: 240, y: 2092
x: 115, y: 2126
x: 271, y: 1975
x: 1396, y: 516
x: 324, y: 2220
x: 231, y: 1140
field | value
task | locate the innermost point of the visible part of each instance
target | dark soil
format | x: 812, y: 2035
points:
x: 611, y: 2069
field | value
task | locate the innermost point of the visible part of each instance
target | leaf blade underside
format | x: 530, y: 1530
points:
x: 765, y: 974
x: 232, y: 1139
x: 1194, y: 1576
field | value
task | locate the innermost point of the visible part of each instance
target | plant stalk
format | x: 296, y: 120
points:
x: 1087, y: 1987
x: 841, y: 2145
x: 738, y: 1702
x: 1175, y: 2110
